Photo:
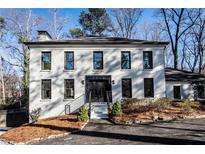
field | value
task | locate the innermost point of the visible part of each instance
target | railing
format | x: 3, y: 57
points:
x: 89, y: 101
x: 108, y: 93
x: 75, y: 104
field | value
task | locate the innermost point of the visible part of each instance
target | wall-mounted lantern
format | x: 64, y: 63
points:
x: 113, y: 81
x: 82, y: 82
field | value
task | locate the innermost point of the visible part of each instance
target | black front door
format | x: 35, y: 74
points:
x: 100, y: 87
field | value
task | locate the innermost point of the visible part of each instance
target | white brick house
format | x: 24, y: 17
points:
x: 64, y: 73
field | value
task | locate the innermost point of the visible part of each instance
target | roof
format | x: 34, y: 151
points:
x: 172, y: 74
x: 98, y: 41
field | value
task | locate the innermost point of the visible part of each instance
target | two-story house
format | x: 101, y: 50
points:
x: 66, y: 74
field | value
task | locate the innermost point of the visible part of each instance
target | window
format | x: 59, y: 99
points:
x: 46, y: 61
x: 69, y: 60
x: 127, y: 88
x: 148, y: 87
x: 69, y: 88
x: 201, y: 91
x: 98, y: 60
x: 147, y: 58
x: 46, y: 89
x: 177, y: 92
x: 125, y: 60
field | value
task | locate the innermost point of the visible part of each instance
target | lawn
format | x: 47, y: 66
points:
x: 149, y: 111
x: 43, y: 129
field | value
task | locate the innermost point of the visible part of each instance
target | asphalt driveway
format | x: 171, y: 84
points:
x: 191, y: 131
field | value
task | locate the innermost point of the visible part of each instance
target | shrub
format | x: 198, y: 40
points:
x: 35, y: 114
x: 117, y: 109
x: 83, y: 114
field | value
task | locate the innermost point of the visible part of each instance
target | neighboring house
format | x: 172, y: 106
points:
x: 66, y: 74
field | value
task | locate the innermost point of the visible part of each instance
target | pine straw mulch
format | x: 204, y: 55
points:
x: 43, y: 129
x: 168, y: 114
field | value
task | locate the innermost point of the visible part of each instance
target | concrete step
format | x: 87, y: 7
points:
x: 99, y: 116
x: 99, y: 111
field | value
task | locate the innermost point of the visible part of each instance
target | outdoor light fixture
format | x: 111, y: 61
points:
x: 82, y: 82
x: 113, y: 81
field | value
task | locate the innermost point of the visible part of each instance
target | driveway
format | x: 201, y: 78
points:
x: 190, y: 131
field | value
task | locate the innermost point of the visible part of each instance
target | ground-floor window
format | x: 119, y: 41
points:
x: 46, y: 89
x: 177, y: 92
x: 201, y: 91
x: 126, y: 88
x: 148, y: 87
x: 69, y: 88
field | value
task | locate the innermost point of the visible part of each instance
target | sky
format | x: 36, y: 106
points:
x: 74, y: 14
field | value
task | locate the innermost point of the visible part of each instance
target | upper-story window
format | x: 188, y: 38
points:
x: 69, y: 60
x: 46, y: 89
x: 125, y: 60
x: 46, y: 61
x: 98, y: 60
x: 147, y: 58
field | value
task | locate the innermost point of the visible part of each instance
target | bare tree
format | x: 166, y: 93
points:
x: 177, y: 22
x: 125, y: 21
x: 193, y: 43
x: 152, y: 31
x: 20, y: 25
x: 57, y: 24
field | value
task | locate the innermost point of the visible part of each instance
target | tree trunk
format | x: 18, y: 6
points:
x: 26, y: 74
x: 175, y: 53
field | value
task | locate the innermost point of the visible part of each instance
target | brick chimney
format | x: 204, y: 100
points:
x: 44, y: 35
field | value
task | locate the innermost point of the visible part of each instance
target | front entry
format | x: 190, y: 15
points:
x: 99, y: 87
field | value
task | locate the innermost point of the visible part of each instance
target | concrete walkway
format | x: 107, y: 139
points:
x: 104, y: 132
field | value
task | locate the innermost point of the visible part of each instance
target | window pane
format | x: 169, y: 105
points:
x: 98, y: 60
x: 46, y: 60
x: 125, y: 60
x: 126, y: 88
x: 46, y: 89
x: 147, y: 58
x: 177, y: 92
x: 69, y: 60
x: 69, y: 88
x: 148, y: 87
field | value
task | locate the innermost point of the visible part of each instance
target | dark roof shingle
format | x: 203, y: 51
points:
x: 172, y: 74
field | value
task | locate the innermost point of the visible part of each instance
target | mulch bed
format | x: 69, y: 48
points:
x: 169, y: 114
x: 43, y: 128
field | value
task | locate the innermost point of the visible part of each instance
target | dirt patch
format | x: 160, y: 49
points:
x: 43, y: 128
x: 161, y: 110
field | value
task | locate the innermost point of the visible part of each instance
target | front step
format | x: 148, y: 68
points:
x: 99, y: 111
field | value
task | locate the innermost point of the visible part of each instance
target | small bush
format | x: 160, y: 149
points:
x: 83, y: 114
x: 117, y: 109
x: 35, y: 114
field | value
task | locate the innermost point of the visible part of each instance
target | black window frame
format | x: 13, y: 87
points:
x: 151, y: 94
x: 94, y: 60
x: 129, y: 89
x: 150, y: 59
x: 43, y: 88
x: 65, y: 96
x: 200, y: 91
x: 176, y: 94
x: 67, y: 61
x: 42, y: 62
x: 129, y: 66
